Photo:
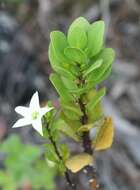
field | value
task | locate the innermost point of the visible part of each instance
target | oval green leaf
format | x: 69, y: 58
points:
x: 95, y: 38
x: 75, y: 55
x: 94, y: 66
x: 77, y: 38
x: 59, y: 86
x: 59, y: 43
x: 96, y: 99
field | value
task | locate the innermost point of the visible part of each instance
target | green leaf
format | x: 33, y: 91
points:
x: 98, y: 113
x: 77, y: 33
x: 80, y: 22
x: 61, y: 167
x: 50, y: 153
x: 73, y: 124
x: 78, y: 91
x: 104, y: 76
x: 95, y: 38
x: 107, y: 55
x: 71, y: 108
x: 56, y: 64
x: 52, y: 57
x: 75, y: 55
x: 64, y: 72
x: 59, y: 86
x: 94, y: 66
x: 69, y: 84
x: 96, y: 99
x: 64, y: 151
x: 77, y: 37
x: 59, y: 43
x: 66, y: 129
x: 70, y: 115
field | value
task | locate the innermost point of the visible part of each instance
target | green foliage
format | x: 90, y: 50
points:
x: 52, y: 156
x: 77, y: 36
x: 99, y: 74
x: 93, y: 67
x: 64, y: 128
x: 80, y: 61
x: 59, y: 43
x: 22, y: 162
x: 96, y: 112
x: 6, y: 181
x: 95, y: 38
x: 96, y: 99
x: 76, y: 55
x: 50, y: 153
x: 62, y: 91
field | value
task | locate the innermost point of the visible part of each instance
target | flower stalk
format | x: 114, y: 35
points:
x: 71, y: 185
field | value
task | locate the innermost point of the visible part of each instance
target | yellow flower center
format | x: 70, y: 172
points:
x: 35, y: 115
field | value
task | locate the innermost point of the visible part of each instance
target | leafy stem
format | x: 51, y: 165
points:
x: 67, y: 176
x: 84, y: 120
x: 87, y: 145
x: 80, y: 62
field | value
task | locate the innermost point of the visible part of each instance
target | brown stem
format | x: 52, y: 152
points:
x: 71, y: 185
x: 87, y: 145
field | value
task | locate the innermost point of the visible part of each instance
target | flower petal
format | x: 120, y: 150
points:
x: 24, y: 111
x: 45, y: 110
x: 37, y: 125
x: 34, y: 103
x: 22, y: 122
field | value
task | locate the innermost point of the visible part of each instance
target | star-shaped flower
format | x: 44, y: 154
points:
x: 32, y: 114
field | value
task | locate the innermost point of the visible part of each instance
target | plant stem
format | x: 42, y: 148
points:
x: 71, y: 185
x: 87, y: 145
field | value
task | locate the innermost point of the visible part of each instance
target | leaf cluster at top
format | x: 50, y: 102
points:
x: 79, y: 59
x: 80, y: 62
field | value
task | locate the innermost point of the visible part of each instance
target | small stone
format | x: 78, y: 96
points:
x: 97, y: 186
x: 91, y: 180
x: 85, y: 171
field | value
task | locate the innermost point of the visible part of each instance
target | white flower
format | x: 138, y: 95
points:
x: 32, y: 114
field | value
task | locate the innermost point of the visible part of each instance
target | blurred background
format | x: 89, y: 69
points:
x: 25, y: 26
